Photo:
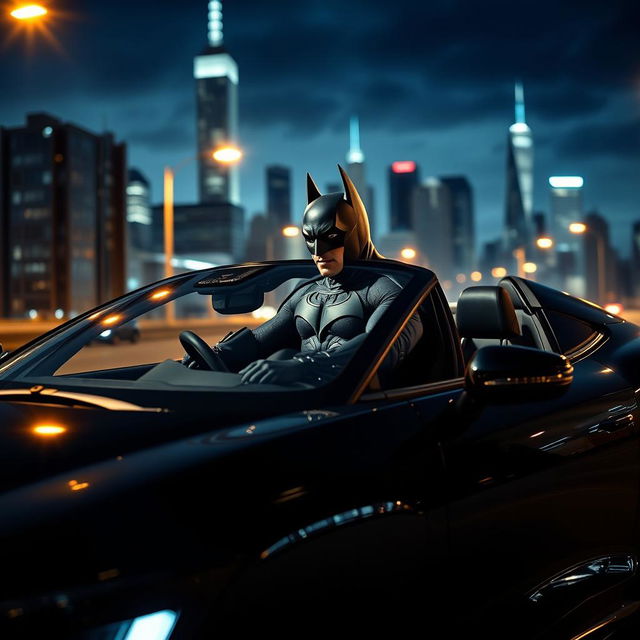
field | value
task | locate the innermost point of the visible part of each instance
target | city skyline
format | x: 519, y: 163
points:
x: 294, y: 109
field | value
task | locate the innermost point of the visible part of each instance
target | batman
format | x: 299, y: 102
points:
x: 322, y: 323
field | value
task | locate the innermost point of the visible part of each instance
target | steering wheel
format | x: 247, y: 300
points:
x: 203, y: 355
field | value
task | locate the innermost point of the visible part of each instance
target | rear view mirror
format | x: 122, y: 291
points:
x: 230, y: 301
x: 511, y: 373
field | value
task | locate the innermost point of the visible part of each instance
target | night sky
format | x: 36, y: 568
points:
x: 431, y: 81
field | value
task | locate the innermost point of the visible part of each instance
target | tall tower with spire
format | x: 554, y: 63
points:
x: 216, y: 76
x: 356, y: 169
x: 519, y: 191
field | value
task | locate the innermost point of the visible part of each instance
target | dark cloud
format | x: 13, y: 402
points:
x: 170, y: 136
x: 156, y: 130
x: 616, y: 139
x: 414, y: 72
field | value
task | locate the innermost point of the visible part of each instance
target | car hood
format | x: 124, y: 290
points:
x: 39, y: 440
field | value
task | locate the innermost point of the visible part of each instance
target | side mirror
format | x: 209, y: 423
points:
x: 511, y: 373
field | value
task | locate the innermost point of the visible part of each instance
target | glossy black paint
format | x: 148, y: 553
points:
x: 357, y: 506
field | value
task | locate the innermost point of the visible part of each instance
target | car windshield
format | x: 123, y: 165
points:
x: 134, y: 342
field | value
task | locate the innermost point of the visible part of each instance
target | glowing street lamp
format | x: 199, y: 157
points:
x: 29, y: 12
x: 290, y: 231
x: 529, y: 267
x: 578, y: 227
x: 408, y: 253
x: 227, y: 154
x: 476, y: 276
x: 498, y: 272
x: 544, y: 242
x: 224, y: 155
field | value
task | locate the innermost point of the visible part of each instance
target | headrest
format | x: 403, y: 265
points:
x: 486, y: 312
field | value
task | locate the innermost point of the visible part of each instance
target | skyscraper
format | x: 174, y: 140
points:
x: 403, y: 178
x: 519, y: 191
x: 600, y: 261
x: 216, y: 75
x: 62, y: 214
x: 138, y: 210
x: 566, y: 207
x: 356, y: 170
x: 139, y: 228
x: 462, y: 223
x: 278, y: 196
x: 432, y: 216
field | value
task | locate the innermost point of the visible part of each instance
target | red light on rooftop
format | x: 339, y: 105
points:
x: 403, y: 166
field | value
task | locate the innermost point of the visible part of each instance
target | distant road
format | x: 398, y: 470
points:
x: 14, y: 333
x: 632, y: 315
x: 123, y: 354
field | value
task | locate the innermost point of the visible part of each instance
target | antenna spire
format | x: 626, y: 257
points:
x: 355, y: 152
x: 215, y: 23
x: 519, y: 96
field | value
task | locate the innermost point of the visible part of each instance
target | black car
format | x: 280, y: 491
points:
x: 489, y: 485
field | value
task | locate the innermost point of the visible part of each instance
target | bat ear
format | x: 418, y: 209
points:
x: 312, y: 190
x: 350, y: 192
x: 349, y: 187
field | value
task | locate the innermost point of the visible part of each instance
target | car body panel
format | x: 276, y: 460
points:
x: 233, y: 506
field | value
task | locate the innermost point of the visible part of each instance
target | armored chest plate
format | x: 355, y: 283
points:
x: 320, y: 310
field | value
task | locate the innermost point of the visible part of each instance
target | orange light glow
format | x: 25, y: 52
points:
x: 544, y: 243
x: 74, y: 485
x: 158, y: 295
x: 28, y: 11
x: 227, y: 155
x: 461, y: 278
x: 48, y: 430
x: 529, y: 267
x: 290, y: 231
x: 476, y: 276
x: 111, y: 320
x: 498, y: 272
x: 408, y: 253
x: 614, y: 308
x: 577, y: 227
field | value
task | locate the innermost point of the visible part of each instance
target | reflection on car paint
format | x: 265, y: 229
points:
x: 623, y: 565
x: 339, y: 519
x: 273, y: 425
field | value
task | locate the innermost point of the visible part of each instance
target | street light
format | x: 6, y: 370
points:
x: 498, y: 272
x: 407, y: 253
x: 529, y: 267
x: 28, y: 12
x: 227, y: 154
x: 580, y: 228
x: 544, y: 242
x: 169, y: 175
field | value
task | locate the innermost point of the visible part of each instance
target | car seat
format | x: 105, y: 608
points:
x: 486, y: 316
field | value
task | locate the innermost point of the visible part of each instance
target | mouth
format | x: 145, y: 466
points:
x: 323, y: 261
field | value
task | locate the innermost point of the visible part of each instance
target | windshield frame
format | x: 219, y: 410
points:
x: 59, y: 345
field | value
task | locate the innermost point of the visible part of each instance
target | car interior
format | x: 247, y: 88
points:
x: 497, y: 315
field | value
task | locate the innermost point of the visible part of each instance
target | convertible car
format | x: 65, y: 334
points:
x: 488, y: 484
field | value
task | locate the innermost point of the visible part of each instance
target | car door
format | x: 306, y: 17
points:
x: 542, y: 501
